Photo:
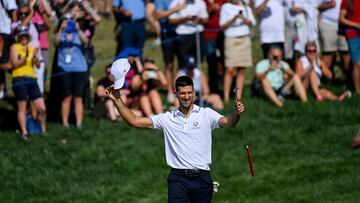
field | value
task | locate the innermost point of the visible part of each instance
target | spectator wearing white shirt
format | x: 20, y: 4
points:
x: 188, y: 21
x: 7, y: 16
x: 332, y: 42
x: 272, y: 24
x: 236, y: 19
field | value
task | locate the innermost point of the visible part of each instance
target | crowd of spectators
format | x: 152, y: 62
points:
x: 300, y: 40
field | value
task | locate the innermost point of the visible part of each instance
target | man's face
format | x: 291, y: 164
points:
x: 275, y: 55
x: 185, y: 96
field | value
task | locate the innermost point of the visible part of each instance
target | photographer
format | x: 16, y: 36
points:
x: 277, y: 79
x: 236, y: 19
x: 71, y: 61
x: 150, y: 78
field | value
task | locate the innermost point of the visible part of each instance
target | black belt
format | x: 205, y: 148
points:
x: 134, y: 21
x: 188, y: 172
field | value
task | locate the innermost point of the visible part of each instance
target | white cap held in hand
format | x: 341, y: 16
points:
x: 119, y: 69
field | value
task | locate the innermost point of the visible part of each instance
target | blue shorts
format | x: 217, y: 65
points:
x: 354, y: 48
x: 25, y: 88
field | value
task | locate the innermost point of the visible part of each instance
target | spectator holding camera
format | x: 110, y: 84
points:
x: 70, y: 38
x: 188, y: 21
x: 310, y: 69
x: 24, y: 57
x: 236, y: 19
x: 277, y: 79
x: 350, y: 18
x: 146, y: 83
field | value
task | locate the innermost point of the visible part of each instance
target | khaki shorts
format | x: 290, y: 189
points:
x: 238, y: 52
x: 330, y: 39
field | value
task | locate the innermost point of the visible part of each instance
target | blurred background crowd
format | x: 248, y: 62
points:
x: 302, y: 41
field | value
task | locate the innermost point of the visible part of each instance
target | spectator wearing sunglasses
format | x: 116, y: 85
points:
x: 311, y: 68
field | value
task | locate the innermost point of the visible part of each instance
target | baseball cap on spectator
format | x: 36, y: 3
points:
x: 190, y: 62
x: 119, y: 69
x: 22, y: 30
x: 128, y: 51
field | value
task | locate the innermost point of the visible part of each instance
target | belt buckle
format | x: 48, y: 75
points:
x: 194, y: 171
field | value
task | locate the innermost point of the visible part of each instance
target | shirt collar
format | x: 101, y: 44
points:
x: 195, y: 109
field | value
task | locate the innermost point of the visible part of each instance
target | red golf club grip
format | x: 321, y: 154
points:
x: 250, y: 161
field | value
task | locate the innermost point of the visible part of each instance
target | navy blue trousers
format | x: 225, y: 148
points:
x: 189, y: 187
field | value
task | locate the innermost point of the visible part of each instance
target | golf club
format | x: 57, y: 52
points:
x: 237, y: 97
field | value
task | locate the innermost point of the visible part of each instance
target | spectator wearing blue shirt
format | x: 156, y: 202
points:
x: 71, y: 61
x: 168, y: 42
x: 133, y: 21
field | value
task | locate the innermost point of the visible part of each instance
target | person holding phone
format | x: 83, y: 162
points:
x: 24, y: 57
x: 277, y: 79
x: 236, y: 20
x: 188, y: 22
x: 70, y: 38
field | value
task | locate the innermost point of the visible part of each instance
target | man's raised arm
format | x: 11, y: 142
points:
x: 125, y: 112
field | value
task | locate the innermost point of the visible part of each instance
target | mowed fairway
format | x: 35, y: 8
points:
x: 301, y: 153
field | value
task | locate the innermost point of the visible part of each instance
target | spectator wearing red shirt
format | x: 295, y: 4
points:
x: 350, y: 18
x: 214, y: 41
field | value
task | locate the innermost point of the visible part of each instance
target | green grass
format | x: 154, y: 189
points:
x: 301, y: 153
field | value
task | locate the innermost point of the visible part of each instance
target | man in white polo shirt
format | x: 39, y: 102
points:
x: 187, y: 133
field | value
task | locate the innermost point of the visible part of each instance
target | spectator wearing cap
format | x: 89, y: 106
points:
x: 272, y: 24
x: 201, y: 87
x: 133, y: 22
x: 332, y: 41
x: 236, y: 19
x: 189, y: 21
x: 350, y: 18
x: 168, y: 38
x: 7, y: 17
x: 70, y: 38
x: 23, y: 58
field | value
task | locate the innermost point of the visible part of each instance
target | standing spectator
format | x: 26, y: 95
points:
x: 7, y: 17
x: 310, y: 69
x: 214, y: 43
x: 42, y: 23
x: 350, y: 17
x: 235, y: 19
x: 277, y: 79
x: 332, y: 41
x: 133, y: 22
x: 214, y: 38
x: 152, y: 20
x: 23, y: 59
x: 189, y: 21
x: 272, y: 24
x: 70, y: 39
x: 291, y: 12
x: 168, y: 40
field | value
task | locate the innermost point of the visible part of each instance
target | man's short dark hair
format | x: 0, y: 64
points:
x: 183, y: 81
